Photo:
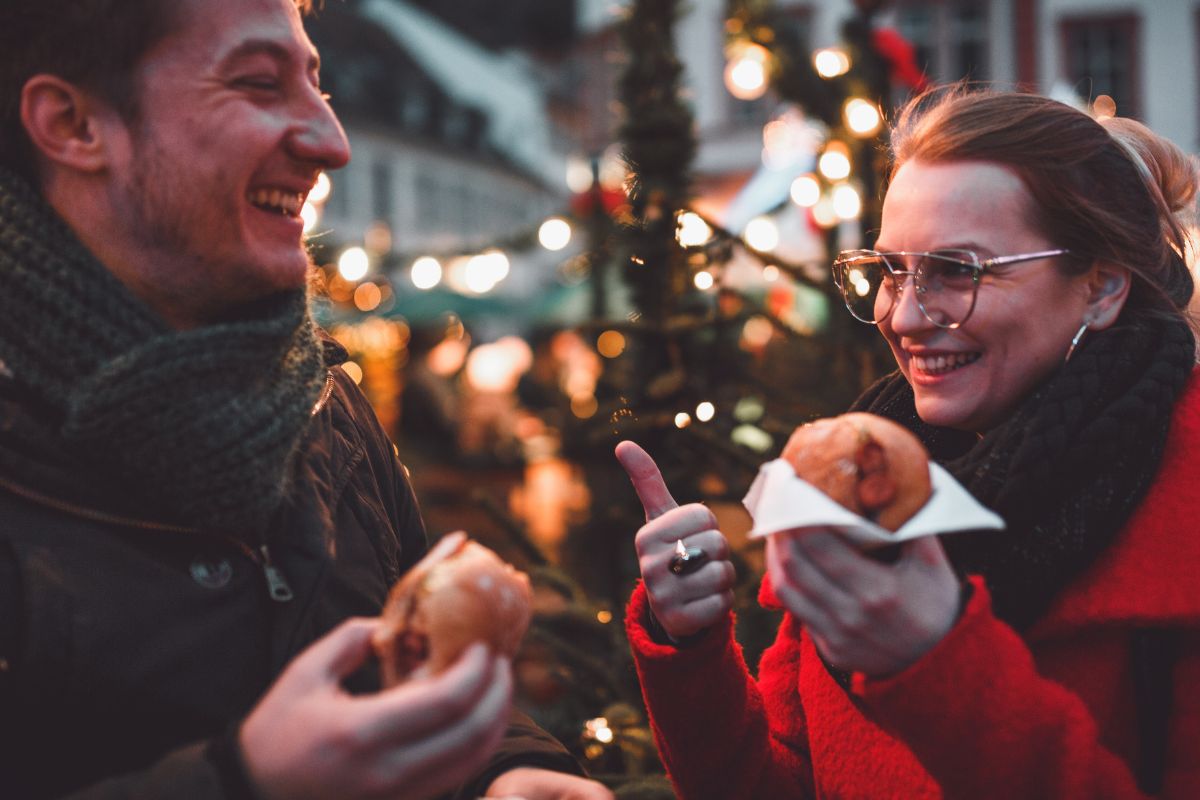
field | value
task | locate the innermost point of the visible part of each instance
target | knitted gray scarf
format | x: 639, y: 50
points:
x: 195, y: 428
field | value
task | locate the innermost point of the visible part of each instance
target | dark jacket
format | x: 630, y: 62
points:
x: 130, y: 650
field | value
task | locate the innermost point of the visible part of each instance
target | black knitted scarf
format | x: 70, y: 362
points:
x: 1068, y: 469
x: 198, y: 427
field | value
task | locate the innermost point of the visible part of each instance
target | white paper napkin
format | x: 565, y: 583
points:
x: 779, y: 501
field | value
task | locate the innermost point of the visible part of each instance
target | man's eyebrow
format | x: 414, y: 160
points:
x: 272, y: 48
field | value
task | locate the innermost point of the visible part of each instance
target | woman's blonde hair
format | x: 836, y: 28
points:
x: 1109, y: 190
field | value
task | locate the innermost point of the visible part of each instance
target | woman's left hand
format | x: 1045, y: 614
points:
x: 863, y: 615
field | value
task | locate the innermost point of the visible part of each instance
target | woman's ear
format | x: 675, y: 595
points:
x: 1108, y: 288
x: 62, y: 121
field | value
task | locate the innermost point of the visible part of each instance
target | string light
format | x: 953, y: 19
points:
x: 1104, y: 107
x: 825, y: 213
x: 682, y: 420
x: 309, y: 214
x: 847, y: 203
x: 705, y: 411
x: 426, y: 272
x: 762, y: 234
x: 834, y: 163
x: 321, y: 189
x: 554, y: 234
x: 484, y: 271
x: 691, y: 230
x: 806, y: 191
x: 610, y: 344
x: 367, y: 297
x: 703, y: 280
x: 579, y: 175
x: 746, y: 72
x: 831, y: 62
x: 862, y: 117
x: 353, y: 264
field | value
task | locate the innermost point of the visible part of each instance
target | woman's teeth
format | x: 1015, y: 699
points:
x: 277, y: 200
x: 935, y: 365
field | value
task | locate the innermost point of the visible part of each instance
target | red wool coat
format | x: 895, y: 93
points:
x: 985, y: 714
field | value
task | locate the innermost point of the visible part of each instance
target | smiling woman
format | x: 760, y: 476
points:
x: 1029, y: 278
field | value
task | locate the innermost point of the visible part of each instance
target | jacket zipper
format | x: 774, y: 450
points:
x: 277, y: 585
x: 325, y: 394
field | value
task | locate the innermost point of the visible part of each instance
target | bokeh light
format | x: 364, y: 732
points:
x: 691, y: 230
x: 353, y: 263
x: 555, y: 233
x: 746, y: 72
x: 610, y: 344
x: 806, y: 191
x: 762, y: 234
x: 831, y: 62
x: 426, y: 272
x: 862, y: 117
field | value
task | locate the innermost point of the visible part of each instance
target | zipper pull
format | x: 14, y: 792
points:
x: 277, y: 585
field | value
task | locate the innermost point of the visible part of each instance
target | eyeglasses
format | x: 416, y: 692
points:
x: 946, y: 281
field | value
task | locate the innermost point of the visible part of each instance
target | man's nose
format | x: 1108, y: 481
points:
x: 319, y: 137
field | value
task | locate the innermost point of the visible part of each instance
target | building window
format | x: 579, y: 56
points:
x: 1100, y: 56
x: 381, y: 190
x: 951, y: 37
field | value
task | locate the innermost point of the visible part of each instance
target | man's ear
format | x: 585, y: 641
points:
x: 63, y: 122
x: 1108, y: 288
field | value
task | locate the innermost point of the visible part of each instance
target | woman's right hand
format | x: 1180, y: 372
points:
x: 683, y: 604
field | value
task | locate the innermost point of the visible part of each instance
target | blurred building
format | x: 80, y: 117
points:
x: 1144, y: 54
x: 453, y: 148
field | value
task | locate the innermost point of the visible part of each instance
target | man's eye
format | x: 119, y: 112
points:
x: 264, y: 83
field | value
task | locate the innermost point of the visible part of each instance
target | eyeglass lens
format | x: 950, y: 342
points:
x: 945, y: 286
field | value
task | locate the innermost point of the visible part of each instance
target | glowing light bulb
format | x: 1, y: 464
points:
x: 762, y: 234
x: 426, y: 272
x: 703, y: 280
x: 705, y: 411
x: 1104, y: 107
x: 831, y: 62
x: 555, y: 233
x: 806, y: 191
x: 847, y: 203
x: 353, y: 263
x: 309, y: 215
x: 692, y: 230
x: 682, y: 420
x: 320, y: 190
x: 610, y: 344
x: 834, y: 163
x: 770, y: 273
x: 824, y: 213
x: 746, y: 72
x: 862, y: 117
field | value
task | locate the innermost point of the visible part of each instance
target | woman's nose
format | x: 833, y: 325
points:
x: 906, y: 313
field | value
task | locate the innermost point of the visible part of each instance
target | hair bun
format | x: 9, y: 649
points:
x: 1162, y: 163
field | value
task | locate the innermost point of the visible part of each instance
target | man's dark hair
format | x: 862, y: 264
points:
x: 96, y: 44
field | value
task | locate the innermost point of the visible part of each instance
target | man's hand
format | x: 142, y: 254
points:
x: 865, y: 616
x: 309, y: 738
x: 683, y: 604
x: 529, y: 783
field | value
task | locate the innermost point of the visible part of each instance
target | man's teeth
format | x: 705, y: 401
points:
x: 286, y: 203
x: 943, y: 363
